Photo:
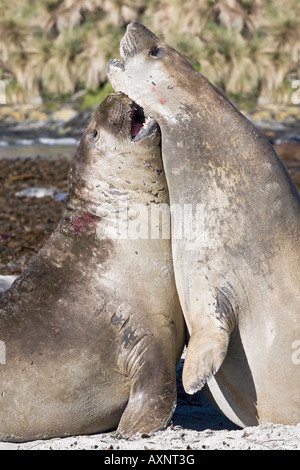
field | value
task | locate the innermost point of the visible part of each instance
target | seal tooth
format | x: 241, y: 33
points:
x: 146, y: 123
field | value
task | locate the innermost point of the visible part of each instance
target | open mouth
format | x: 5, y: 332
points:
x: 141, y: 126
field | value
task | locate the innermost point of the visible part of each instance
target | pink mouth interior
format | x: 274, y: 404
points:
x: 136, y: 126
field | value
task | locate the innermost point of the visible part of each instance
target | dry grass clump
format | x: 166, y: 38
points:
x: 53, y: 48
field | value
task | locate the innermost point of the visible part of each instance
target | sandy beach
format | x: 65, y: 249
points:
x: 195, y: 426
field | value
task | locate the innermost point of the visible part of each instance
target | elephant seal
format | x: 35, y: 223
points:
x: 238, y: 272
x: 93, y: 328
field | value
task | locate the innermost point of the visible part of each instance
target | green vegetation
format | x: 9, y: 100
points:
x: 50, y: 49
x: 93, y: 97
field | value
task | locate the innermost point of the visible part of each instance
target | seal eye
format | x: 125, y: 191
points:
x: 157, y: 52
x: 95, y: 134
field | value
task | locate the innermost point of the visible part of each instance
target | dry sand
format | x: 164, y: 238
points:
x: 196, y: 425
x: 263, y: 437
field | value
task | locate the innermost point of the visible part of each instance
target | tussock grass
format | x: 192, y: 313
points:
x: 53, y: 48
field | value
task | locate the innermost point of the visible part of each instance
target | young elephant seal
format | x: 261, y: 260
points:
x: 93, y: 329
x: 238, y: 272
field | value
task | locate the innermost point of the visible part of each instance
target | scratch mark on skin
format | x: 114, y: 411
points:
x: 80, y: 223
x: 90, y: 219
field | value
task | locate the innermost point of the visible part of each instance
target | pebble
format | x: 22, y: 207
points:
x: 42, y: 192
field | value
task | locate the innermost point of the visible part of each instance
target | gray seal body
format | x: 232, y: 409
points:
x: 93, y: 329
x: 237, y: 263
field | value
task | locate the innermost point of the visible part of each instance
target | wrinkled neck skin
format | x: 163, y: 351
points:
x: 231, y: 167
x: 111, y: 182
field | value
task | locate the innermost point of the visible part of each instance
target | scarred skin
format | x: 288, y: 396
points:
x: 238, y: 274
x: 93, y: 328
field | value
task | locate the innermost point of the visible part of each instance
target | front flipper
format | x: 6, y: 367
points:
x: 152, y: 397
x: 210, y: 334
x: 205, y: 353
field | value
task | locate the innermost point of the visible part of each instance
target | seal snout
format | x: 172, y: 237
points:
x: 125, y: 118
x: 135, y: 27
x: 136, y: 38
